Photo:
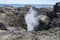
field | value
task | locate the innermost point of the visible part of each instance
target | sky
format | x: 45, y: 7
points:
x: 29, y: 1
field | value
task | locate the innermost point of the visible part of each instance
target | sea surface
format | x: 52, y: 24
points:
x: 35, y: 5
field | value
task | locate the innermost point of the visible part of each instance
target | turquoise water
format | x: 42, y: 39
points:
x: 35, y: 5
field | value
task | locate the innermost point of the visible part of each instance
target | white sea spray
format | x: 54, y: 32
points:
x: 31, y: 19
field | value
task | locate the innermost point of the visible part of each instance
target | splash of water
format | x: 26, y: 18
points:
x: 31, y: 19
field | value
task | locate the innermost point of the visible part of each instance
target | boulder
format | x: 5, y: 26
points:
x: 52, y: 15
x: 56, y: 7
x: 45, y: 10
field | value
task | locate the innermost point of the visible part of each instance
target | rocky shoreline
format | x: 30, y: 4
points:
x: 13, y: 19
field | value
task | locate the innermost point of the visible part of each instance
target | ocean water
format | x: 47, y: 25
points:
x: 35, y: 5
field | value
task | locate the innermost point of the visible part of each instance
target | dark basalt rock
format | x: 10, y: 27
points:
x: 2, y: 27
x: 56, y: 7
x: 52, y: 15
